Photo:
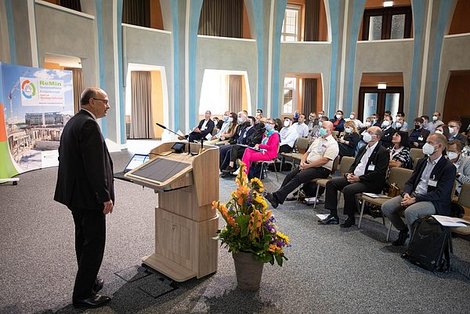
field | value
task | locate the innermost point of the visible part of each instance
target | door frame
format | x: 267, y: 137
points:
x: 380, y: 99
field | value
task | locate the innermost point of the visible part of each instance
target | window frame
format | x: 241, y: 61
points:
x: 387, y: 14
x: 298, y: 36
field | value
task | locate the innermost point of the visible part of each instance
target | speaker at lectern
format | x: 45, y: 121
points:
x: 185, y: 223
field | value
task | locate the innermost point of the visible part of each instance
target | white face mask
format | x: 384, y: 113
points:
x: 367, y: 137
x: 286, y: 123
x: 428, y: 149
x: 385, y: 124
x: 398, y: 125
x: 439, y: 132
x: 434, y: 118
x: 368, y: 124
x: 348, y: 130
x: 320, y: 123
x: 452, y: 155
x: 230, y: 119
x: 352, y: 117
x: 452, y: 130
x: 339, y: 116
x: 225, y: 118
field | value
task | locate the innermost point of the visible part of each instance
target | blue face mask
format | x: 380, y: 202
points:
x: 322, y: 132
x: 269, y: 127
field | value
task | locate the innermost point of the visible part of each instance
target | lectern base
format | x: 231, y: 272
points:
x: 168, y: 268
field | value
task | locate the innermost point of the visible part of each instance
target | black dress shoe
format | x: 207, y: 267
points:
x: 401, y: 238
x: 347, y: 223
x: 229, y: 169
x: 272, y: 199
x: 96, y: 300
x: 99, y: 283
x: 330, y: 220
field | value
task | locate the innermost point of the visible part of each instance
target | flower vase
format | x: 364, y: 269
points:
x: 248, y: 270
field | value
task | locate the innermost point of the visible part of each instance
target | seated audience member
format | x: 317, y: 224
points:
x: 223, y: 123
x: 443, y: 129
x: 338, y: 121
x: 353, y: 118
x: 250, y: 134
x: 300, y: 126
x: 400, y: 124
x: 426, y: 122
x: 218, y: 124
x: 436, y: 121
x: 259, y: 115
x: 454, y: 132
x: 427, y: 192
x: 387, y: 132
x: 317, y: 162
x: 316, y: 129
x: 367, y: 174
x: 226, y: 132
x: 419, y: 134
x: 203, y: 129
x: 461, y: 162
x: 288, y: 136
x: 400, y: 151
x: 348, y: 141
x: 312, y: 121
x: 268, y: 148
x: 367, y: 124
x: 375, y: 120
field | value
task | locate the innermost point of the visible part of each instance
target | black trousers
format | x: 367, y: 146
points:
x: 297, y: 177
x: 194, y: 136
x: 90, y: 236
x: 224, y: 157
x: 349, y: 191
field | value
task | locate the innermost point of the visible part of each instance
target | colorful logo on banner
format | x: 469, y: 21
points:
x: 28, y: 89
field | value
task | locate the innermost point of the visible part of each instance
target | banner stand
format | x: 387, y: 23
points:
x: 14, y: 181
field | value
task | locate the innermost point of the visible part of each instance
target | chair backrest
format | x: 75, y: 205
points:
x: 416, y: 154
x: 345, y: 164
x: 399, y: 176
x: 302, y: 144
x: 335, y: 164
x: 464, y: 196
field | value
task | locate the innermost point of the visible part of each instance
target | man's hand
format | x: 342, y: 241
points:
x: 108, y: 207
x: 407, y: 200
x: 197, y: 130
x: 352, y: 178
x: 303, y: 165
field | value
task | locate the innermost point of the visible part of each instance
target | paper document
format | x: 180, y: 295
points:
x: 447, y: 221
x: 322, y: 216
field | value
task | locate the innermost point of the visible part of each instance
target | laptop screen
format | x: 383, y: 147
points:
x: 136, y: 161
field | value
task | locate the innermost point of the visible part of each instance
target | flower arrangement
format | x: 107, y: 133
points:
x: 250, y: 225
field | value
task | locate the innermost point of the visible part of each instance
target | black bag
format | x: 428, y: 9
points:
x: 255, y: 171
x: 430, y: 245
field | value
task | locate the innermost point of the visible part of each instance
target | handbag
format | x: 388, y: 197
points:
x: 393, y: 190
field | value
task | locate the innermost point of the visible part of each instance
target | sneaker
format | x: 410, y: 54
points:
x: 330, y: 220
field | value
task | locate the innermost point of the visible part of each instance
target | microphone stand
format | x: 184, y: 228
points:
x: 165, y: 128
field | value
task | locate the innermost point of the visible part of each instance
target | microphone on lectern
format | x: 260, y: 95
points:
x: 165, y: 128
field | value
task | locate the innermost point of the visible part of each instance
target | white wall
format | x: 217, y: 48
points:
x: 218, y: 53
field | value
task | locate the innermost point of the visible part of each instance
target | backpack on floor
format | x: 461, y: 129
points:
x: 430, y: 245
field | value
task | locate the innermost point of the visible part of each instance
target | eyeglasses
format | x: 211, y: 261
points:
x: 106, y: 101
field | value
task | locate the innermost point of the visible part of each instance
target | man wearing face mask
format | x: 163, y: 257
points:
x: 427, y: 192
x: 366, y: 174
x: 419, y: 135
x: 387, y: 132
x: 436, y: 121
x: 338, y: 121
x: 317, y: 162
x: 288, y: 137
x: 353, y: 118
x: 400, y: 123
x: 454, y: 132
x: 461, y: 163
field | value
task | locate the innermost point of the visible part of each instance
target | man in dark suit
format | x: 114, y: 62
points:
x: 204, y: 128
x: 427, y: 192
x: 367, y: 174
x: 85, y: 185
x: 418, y: 135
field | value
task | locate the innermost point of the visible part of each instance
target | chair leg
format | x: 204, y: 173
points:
x: 360, y: 215
x: 388, y: 231
x: 261, y: 171
x: 316, y: 196
x: 275, y: 170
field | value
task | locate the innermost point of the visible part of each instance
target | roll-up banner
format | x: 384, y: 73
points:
x: 35, y: 104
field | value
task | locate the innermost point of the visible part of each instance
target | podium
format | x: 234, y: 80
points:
x: 185, y: 224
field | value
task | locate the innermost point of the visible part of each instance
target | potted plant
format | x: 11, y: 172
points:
x: 250, y: 233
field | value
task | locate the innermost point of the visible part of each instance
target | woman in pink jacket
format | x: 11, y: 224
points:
x: 268, y: 148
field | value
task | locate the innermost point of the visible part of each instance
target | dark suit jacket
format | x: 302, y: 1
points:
x: 418, y: 136
x: 209, y: 127
x: 375, y: 179
x: 439, y: 195
x: 386, y: 139
x: 85, y: 177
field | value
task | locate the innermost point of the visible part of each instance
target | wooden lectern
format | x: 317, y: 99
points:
x: 185, y: 223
